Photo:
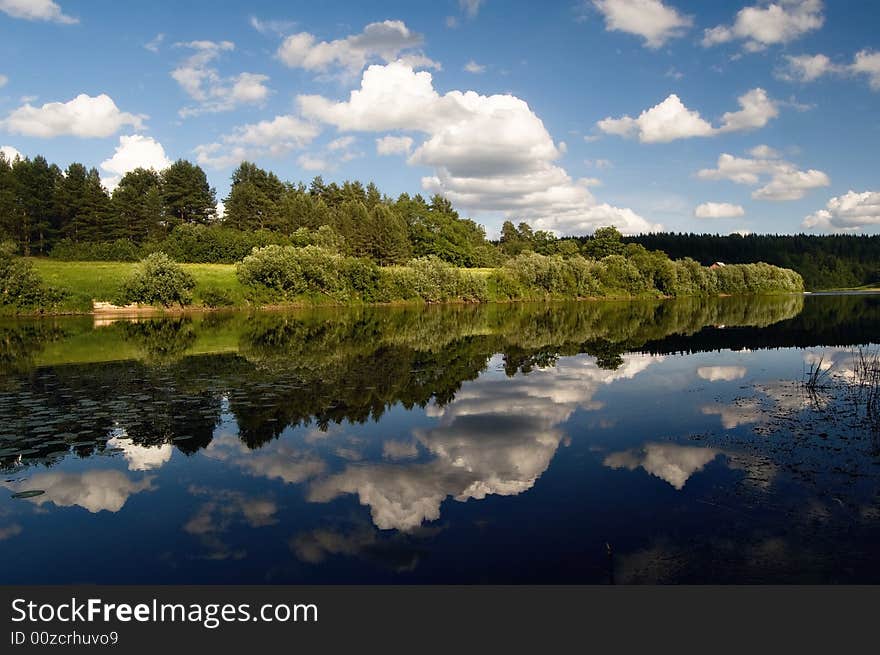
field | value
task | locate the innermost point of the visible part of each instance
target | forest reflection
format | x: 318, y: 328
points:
x: 144, y: 387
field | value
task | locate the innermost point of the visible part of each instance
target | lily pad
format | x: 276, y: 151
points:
x: 29, y: 494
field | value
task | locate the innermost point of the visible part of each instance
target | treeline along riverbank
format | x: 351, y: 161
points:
x: 285, y: 243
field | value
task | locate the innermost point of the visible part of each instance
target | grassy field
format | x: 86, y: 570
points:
x: 87, y: 281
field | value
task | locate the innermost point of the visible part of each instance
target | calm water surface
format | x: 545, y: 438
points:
x: 630, y: 442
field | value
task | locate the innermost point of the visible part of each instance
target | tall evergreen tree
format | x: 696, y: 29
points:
x: 390, y: 239
x: 253, y: 201
x: 70, y: 200
x: 137, y: 204
x: 186, y: 194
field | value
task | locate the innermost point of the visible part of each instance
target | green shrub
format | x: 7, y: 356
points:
x: 620, y: 276
x: 215, y: 297
x: 503, y: 285
x: 158, y: 279
x: 121, y: 250
x: 20, y: 284
x: 286, y: 272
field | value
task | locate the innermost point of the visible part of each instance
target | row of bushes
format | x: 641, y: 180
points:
x: 197, y: 244
x: 534, y: 276
x: 284, y: 273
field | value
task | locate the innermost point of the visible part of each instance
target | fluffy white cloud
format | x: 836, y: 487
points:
x: 3, y: 80
x: 650, y: 19
x: 667, y: 121
x: 94, y: 491
x: 489, y: 153
x: 133, y: 152
x: 722, y: 373
x: 214, y: 93
x: 764, y: 151
x: 474, y: 67
x: 671, y: 120
x: 867, y: 62
x: 84, y: 116
x: 10, y: 153
x: 397, y: 450
x: 671, y: 463
x: 756, y: 110
x: 806, y: 68
x: 142, y: 458
x: 36, y: 10
x: 718, y: 210
x: 850, y: 212
x: 394, y: 145
x: 275, y: 461
x: 496, y: 438
x: 781, y: 179
x: 274, y: 138
x: 385, y: 41
x: 769, y: 23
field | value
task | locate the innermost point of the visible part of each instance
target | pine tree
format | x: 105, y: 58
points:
x: 137, y: 204
x: 186, y: 194
x: 390, y: 243
x: 70, y: 199
x: 253, y: 201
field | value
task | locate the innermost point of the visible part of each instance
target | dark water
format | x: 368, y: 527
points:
x: 667, y: 442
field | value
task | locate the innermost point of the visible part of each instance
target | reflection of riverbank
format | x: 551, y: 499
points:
x: 163, y: 382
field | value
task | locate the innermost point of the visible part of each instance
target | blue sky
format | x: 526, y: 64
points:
x: 673, y: 114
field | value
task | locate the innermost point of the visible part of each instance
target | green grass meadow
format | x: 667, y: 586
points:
x: 87, y: 281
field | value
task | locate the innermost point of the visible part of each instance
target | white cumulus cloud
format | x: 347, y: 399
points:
x: 722, y: 373
x: 274, y: 138
x: 780, y: 179
x: 84, y: 116
x: 671, y: 463
x: 808, y: 68
x: 384, y: 41
x: 488, y: 153
x: 671, y: 120
x: 867, y: 62
x: 134, y: 151
x: 847, y: 213
x: 394, y: 145
x: 718, y: 210
x: 10, y: 153
x: 36, y: 10
x: 213, y: 92
x: 769, y: 23
x: 650, y: 19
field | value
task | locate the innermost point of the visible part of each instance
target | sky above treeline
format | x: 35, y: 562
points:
x: 679, y: 115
